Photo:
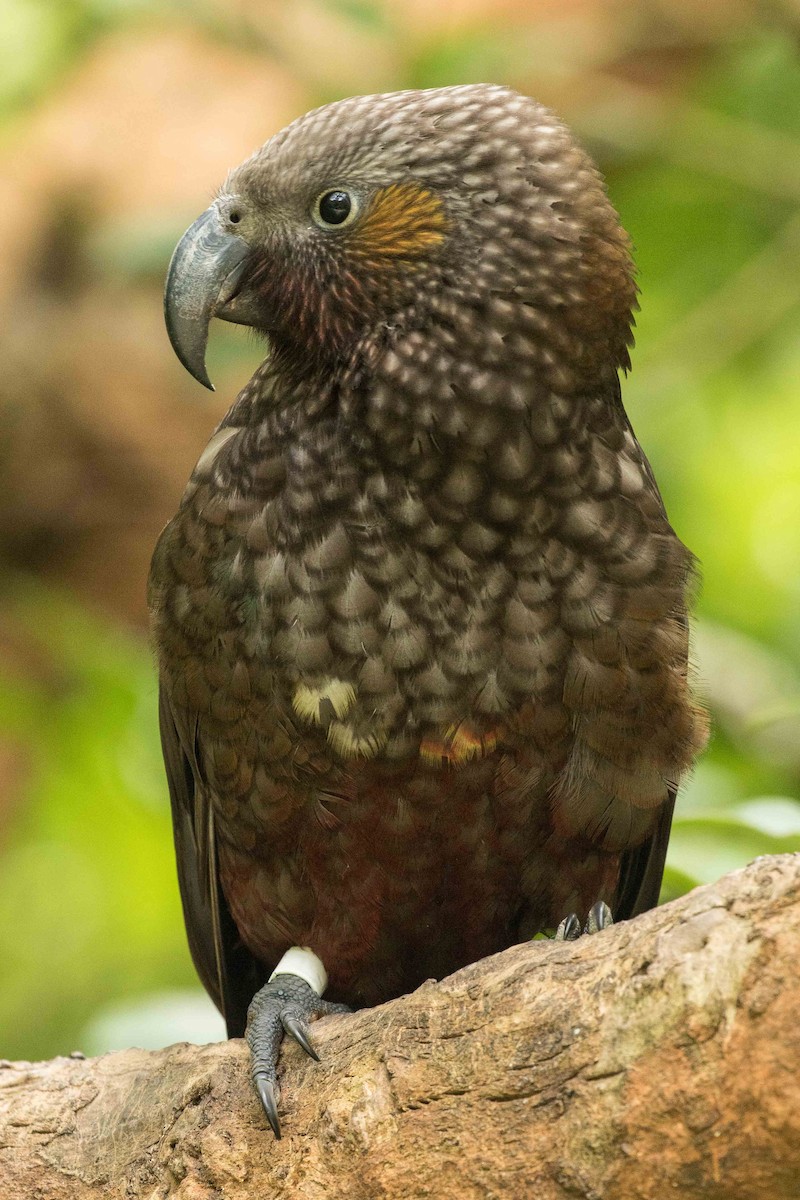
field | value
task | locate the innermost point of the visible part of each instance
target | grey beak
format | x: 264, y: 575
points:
x: 204, y: 274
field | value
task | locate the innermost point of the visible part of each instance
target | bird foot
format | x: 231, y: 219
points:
x: 284, y: 1005
x: 599, y: 918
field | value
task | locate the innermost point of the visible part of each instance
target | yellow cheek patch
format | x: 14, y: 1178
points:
x: 403, y: 220
x: 457, y: 745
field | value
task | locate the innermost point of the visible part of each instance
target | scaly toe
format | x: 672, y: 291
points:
x: 284, y: 1005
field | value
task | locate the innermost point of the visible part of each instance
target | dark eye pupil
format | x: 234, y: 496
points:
x: 334, y: 207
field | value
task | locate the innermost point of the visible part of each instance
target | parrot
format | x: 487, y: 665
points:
x: 421, y: 620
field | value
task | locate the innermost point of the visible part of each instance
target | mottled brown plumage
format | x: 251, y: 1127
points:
x: 421, y: 617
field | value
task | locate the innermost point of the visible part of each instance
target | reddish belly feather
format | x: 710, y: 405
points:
x: 407, y: 880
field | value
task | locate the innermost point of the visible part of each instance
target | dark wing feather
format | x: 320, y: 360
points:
x: 228, y: 971
x: 641, y: 869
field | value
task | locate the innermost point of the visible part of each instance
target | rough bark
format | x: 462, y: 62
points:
x: 658, y: 1058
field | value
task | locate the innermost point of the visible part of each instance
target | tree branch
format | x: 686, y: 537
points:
x: 659, y: 1058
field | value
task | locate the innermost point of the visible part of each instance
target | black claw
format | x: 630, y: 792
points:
x: 569, y: 929
x: 266, y: 1090
x: 599, y: 918
x: 300, y: 1035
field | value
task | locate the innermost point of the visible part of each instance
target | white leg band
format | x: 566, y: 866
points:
x: 305, y: 963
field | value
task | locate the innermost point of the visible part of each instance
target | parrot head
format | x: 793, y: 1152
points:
x: 402, y: 211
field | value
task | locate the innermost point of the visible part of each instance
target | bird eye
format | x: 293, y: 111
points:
x: 335, y: 208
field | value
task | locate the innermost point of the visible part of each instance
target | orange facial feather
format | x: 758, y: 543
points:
x: 403, y: 220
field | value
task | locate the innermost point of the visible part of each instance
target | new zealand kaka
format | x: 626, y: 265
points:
x: 421, y: 617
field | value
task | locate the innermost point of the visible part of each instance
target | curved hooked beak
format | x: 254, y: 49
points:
x: 203, y: 281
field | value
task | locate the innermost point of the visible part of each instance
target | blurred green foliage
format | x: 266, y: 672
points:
x: 89, y: 908
x: 709, y: 187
